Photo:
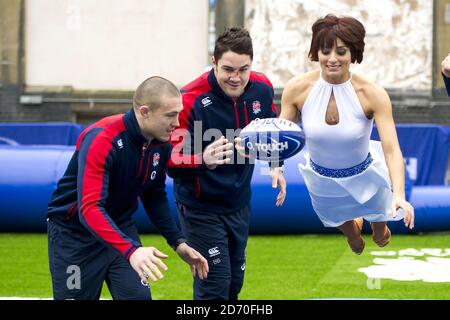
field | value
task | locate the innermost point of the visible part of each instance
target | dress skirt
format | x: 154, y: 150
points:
x: 367, y: 194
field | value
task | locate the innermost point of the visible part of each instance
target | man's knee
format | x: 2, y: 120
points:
x: 140, y: 292
x: 212, y: 288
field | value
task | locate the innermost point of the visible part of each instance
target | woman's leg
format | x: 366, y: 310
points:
x: 352, y: 230
x: 381, y: 234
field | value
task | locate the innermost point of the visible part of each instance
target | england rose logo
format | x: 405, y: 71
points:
x: 156, y: 158
x: 256, y: 107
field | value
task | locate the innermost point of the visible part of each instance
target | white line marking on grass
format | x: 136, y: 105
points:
x: 427, y: 265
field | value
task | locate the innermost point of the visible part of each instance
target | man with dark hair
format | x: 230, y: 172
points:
x: 446, y: 73
x: 91, y: 235
x: 212, y: 184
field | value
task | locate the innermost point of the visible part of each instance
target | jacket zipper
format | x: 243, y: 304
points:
x: 236, y: 114
x: 146, y: 170
x: 197, y: 188
x: 245, y: 113
x: 141, y: 162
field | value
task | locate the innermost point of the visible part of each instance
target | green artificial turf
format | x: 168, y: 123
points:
x: 278, y: 267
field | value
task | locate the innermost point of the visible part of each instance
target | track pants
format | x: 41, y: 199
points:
x: 222, y: 240
x: 79, y: 263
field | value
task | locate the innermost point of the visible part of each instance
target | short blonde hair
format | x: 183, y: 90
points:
x: 150, y: 91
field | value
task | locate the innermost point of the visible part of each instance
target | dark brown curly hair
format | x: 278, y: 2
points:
x: 326, y: 30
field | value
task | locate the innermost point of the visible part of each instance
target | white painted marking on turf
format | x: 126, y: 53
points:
x: 426, y: 264
x: 383, y: 253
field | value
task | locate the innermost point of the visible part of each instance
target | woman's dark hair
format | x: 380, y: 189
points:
x: 326, y: 30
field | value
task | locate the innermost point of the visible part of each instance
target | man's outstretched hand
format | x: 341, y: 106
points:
x: 198, y: 264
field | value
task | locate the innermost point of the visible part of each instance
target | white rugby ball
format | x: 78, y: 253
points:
x: 272, y: 139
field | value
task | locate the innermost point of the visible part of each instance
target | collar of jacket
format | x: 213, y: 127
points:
x: 218, y: 90
x: 134, y: 132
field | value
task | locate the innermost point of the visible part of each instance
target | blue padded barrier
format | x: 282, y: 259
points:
x: 29, y: 174
x: 28, y: 177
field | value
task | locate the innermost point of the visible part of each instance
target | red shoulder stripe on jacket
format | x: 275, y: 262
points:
x: 178, y: 138
x: 93, y: 187
x: 256, y: 76
x: 99, y: 124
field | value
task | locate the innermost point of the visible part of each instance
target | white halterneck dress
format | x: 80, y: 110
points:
x: 345, y: 172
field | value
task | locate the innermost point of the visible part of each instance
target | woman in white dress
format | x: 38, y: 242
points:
x: 348, y: 176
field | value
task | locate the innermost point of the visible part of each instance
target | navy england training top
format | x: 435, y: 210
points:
x: 225, y: 189
x: 113, y: 165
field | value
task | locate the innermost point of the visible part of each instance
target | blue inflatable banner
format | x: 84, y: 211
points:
x: 54, y: 133
x: 425, y: 148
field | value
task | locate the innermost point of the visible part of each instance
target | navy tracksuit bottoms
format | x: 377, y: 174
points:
x: 222, y: 240
x: 79, y: 263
